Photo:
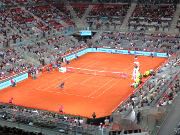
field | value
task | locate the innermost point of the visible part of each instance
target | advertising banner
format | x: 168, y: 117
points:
x: 5, y: 84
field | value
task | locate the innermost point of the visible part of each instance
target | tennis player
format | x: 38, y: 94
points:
x: 62, y: 85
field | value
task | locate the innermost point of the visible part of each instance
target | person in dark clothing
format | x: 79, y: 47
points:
x: 62, y: 85
x: 94, y: 115
x: 138, y: 117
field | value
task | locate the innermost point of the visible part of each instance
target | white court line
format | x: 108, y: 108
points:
x: 128, y: 69
x: 106, y: 90
x: 61, y: 92
x: 91, y: 76
x: 68, y: 76
x: 84, y: 64
x: 58, y: 79
x: 54, y: 82
x: 81, y: 83
x: 76, y: 95
x: 95, y: 91
x: 86, y: 80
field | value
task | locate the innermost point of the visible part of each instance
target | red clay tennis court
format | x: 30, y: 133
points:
x: 83, y: 94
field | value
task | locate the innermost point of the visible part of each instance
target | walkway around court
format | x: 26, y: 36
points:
x: 172, y: 119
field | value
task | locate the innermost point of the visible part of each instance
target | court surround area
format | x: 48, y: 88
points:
x: 83, y: 93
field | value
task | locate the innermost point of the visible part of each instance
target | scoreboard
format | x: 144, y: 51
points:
x: 85, y: 33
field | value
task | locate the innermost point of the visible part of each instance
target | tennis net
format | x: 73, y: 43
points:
x: 104, y: 73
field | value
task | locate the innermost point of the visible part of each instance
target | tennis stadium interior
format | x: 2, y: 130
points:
x: 89, y: 67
